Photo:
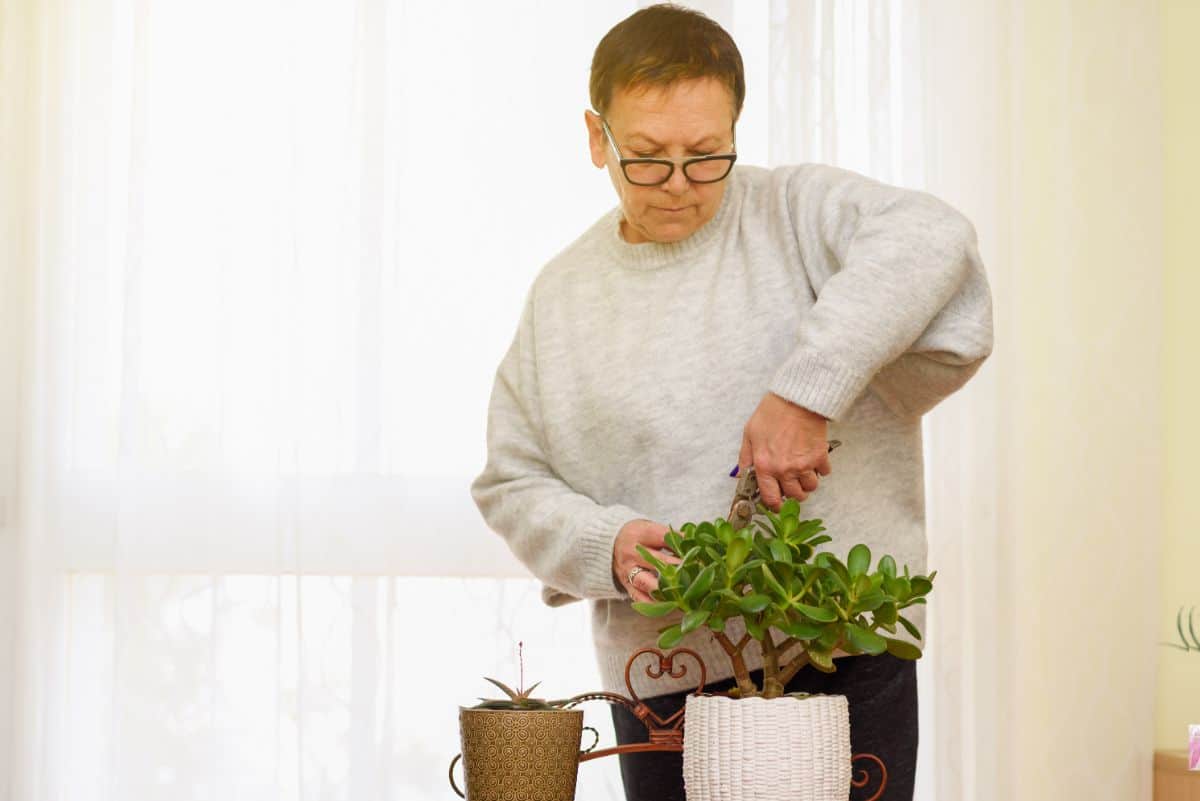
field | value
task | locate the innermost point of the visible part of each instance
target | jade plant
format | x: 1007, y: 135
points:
x: 798, y: 604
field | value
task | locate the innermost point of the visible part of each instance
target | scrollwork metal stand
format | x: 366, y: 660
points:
x: 666, y: 734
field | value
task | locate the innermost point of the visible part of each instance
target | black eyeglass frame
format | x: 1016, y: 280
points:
x: 730, y: 157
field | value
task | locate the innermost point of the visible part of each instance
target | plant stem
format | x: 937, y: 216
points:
x: 771, y: 686
x: 793, y: 667
x: 746, y: 688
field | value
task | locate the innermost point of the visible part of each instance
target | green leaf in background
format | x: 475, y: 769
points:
x: 821, y: 540
x: 725, y: 533
x: 654, y: 609
x: 921, y: 585
x: 674, y: 542
x: 859, y: 560
x: 868, y: 641
x: 887, y: 566
x: 670, y: 637
x: 754, y: 628
x: 780, y: 552
x: 902, y: 650
x: 886, y: 614
x: 694, y: 620
x: 752, y: 604
x: 790, y: 508
x: 818, y: 613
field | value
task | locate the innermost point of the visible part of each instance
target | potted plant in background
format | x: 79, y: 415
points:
x: 798, y: 606
x: 519, y: 746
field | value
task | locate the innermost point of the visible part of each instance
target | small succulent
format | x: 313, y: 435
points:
x: 516, y: 699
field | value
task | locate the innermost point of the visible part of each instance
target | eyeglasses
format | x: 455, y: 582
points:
x: 653, y: 172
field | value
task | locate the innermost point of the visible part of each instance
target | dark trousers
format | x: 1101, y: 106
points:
x: 882, y: 695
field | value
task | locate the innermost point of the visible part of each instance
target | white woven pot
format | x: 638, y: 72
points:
x: 784, y: 749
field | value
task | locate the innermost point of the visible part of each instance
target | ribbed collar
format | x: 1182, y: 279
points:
x: 652, y: 255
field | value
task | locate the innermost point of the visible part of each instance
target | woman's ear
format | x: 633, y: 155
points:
x: 596, y: 142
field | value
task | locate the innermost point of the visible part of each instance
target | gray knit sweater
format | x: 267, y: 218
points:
x: 635, y: 367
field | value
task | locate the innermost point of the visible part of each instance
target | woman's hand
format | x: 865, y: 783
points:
x: 650, y: 535
x: 787, y: 445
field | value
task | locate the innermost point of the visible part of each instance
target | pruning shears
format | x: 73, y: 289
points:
x: 746, y: 495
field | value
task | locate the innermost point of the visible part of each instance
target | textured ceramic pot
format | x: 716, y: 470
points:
x: 519, y: 755
x: 782, y: 749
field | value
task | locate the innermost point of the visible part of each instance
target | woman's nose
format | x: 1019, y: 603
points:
x: 677, y: 184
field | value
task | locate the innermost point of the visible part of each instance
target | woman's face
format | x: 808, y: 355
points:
x: 688, y: 118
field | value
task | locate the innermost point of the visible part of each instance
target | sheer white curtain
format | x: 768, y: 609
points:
x: 257, y: 265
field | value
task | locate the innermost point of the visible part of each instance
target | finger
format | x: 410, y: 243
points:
x: 792, y: 488
x: 653, y: 536
x: 643, y: 584
x: 746, y: 455
x: 809, y: 481
x: 824, y: 465
x: 772, y: 495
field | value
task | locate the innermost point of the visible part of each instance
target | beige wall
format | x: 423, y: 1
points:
x: 1179, y: 673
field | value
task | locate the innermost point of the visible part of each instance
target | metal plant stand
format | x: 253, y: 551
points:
x: 666, y: 734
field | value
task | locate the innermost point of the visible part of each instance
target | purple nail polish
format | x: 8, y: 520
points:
x: 733, y: 473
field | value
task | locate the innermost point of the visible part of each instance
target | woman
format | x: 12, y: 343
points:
x: 725, y: 314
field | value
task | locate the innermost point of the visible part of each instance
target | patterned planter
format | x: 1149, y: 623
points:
x: 519, y: 755
x: 783, y: 749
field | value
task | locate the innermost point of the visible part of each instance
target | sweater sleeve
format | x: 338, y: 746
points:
x: 902, y: 298
x: 564, y: 537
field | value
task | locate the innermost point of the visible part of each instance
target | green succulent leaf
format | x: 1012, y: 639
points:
x: 701, y: 585
x: 670, y: 637
x: 800, y: 630
x: 790, y: 508
x: 887, y: 566
x: 868, y: 641
x: 859, y: 560
x: 694, y: 620
x: 674, y: 542
x: 902, y: 649
x: 909, y: 627
x: 817, y: 613
x: 821, y: 540
x: 921, y: 585
x: 753, y: 604
x: 773, y: 582
x: 821, y: 660
x: 736, y: 555
x: 654, y: 609
x: 780, y: 552
x: 658, y: 564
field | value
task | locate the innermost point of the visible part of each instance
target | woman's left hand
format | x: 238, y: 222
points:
x: 787, y: 445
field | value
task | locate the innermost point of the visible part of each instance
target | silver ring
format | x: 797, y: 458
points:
x: 629, y: 578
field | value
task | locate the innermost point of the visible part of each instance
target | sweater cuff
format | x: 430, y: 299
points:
x: 818, y: 385
x: 596, y: 550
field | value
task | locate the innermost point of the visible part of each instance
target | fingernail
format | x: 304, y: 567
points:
x: 733, y: 473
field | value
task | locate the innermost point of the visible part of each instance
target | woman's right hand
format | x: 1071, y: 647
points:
x: 651, y: 536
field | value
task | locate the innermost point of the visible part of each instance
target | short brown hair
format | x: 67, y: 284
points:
x: 662, y: 44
